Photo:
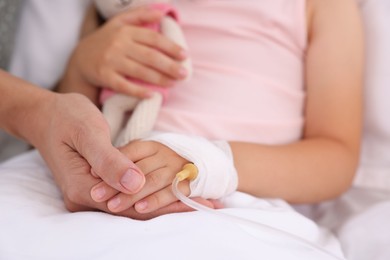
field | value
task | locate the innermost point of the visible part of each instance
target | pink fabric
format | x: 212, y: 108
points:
x: 248, y: 60
x: 167, y: 10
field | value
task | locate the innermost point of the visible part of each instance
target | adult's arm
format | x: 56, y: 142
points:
x: 71, y: 135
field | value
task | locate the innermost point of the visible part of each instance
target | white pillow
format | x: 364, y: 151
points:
x: 47, y: 33
x: 374, y: 169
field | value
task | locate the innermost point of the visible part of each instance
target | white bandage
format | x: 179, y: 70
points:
x: 217, y: 175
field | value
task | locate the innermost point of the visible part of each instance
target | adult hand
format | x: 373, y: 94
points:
x: 74, y: 139
x: 121, y: 48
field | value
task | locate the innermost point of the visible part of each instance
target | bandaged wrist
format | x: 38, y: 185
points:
x: 217, y: 175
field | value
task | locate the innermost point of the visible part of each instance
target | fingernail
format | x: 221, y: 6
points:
x: 98, y: 193
x: 114, y: 203
x: 182, y: 72
x: 132, y: 181
x: 183, y: 54
x: 141, y: 206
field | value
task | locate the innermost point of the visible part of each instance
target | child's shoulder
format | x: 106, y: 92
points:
x: 330, y: 11
x: 315, y: 6
x: 323, y: 5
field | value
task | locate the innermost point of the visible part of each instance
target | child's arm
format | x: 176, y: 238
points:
x: 323, y: 164
x: 71, y: 135
x: 107, y: 55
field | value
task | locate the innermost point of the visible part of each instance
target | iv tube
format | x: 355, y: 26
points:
x: 190, y: 174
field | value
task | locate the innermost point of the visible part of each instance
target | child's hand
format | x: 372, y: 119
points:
x: 122, y: 48
x: 160, y: 165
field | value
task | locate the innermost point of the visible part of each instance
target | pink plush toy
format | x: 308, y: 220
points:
x: 144, y: 111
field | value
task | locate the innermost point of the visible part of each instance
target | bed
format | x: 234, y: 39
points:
x: 36, y: 225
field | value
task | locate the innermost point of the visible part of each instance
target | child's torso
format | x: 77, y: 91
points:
x: 248, y: 58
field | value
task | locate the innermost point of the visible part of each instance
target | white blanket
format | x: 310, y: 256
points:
x: 36, y: 225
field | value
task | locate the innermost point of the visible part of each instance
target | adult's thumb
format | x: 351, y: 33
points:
x: 111, y: 165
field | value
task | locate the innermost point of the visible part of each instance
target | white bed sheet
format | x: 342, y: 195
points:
x: 35, y: 225
x: 361, y: 220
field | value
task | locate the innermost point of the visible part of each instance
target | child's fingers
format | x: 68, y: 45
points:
x: 140, y: 16
x: 213, y: 204
x: 216, y: 204
x: 174, y: 207
x: 122, y: 85
x: 155, y: 182
x: 138, y: 150
x: 103, y: 192
x: 179, y: 206
x: 151, y: 55
x: 140, y: 71
x: 160, y: 199
x: 160, y: 42
x: 171, y: 208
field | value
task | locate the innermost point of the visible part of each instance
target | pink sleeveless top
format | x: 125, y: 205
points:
x: 248, y: 81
